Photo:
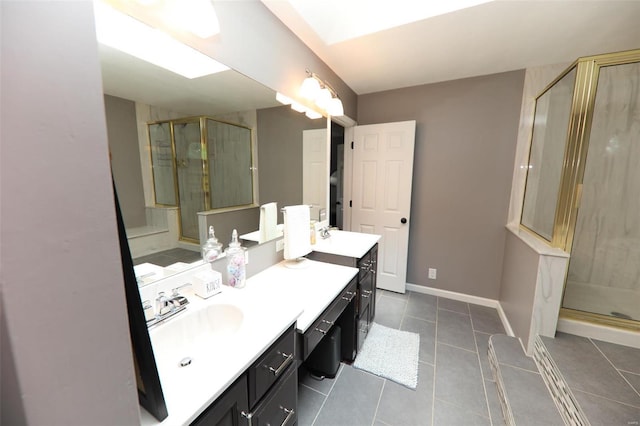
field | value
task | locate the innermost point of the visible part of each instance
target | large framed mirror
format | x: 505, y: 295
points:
x: 137, y: 93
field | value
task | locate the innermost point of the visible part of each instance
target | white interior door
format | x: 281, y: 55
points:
x: 315, y: 175
x: 381, y: 194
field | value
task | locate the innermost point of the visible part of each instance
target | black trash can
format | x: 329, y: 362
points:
x: 325, y: 358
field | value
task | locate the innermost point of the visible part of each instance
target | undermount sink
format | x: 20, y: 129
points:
x: 192, y: 333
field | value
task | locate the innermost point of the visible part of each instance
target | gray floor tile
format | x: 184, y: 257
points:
x: 482, y: 343
x: 601, y: 411
x: 423, y: 306
x: 352, y: 401
x: 529, y: 399
x: 485, y: 319
x: 453, y: 305
x: 459, y: 380
x: 400, y: 406
x: 309, y: 404
x: 497, y: 419
x: 427, y: 332
x: 509, y: 351
x: 633, y: 379
x: 389, y: 311
x: 447, y: 414
x: 322, y: 386
x: 393, y: 294
x: 585, y: 369
x: 622, y: 357
x: 455, y: 329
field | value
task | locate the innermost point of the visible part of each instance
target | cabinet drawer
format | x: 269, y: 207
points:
x: 280, y: 407
x: 271, y: 365
x: 325, y: 321
x: 365, y: 293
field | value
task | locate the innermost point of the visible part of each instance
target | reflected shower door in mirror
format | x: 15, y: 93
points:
x: 138, y: 93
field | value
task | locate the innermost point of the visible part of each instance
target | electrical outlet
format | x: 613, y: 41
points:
x: 433, y: 273
x: 280, y: 245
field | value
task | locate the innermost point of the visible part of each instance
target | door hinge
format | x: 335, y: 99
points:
x: 350, y: 203
x: 351, y: 144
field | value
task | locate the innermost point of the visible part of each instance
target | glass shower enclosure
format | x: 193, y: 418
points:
x: 583, y: 185
x: 200, y: 164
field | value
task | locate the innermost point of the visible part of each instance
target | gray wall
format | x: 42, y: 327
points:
x: 280, y: 154
x: 66, y: 355
x: 125, y: 159
x: 463, y: 164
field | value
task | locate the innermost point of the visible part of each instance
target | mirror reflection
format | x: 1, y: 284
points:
x: 148, y: 175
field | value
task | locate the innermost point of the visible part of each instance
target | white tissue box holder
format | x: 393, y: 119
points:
x: 207, y: 283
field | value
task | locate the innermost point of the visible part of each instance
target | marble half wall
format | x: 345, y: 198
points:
x: 531, y: 288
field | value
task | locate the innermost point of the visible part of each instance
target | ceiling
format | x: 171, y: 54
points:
x: 489, y: 38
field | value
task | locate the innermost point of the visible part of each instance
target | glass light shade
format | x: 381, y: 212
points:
x: 310, y: 88
x: 335, y: 107
x: 323, y: 99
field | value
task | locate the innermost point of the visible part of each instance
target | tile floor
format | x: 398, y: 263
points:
x: 455, y: 386
x: 168, y: 257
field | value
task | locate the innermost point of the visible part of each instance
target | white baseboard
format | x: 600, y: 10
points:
x: 476, y: 300
x: 599, y: 332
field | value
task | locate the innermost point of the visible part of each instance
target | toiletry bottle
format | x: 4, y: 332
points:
x: 312, y: 230
x: 211, y: 249
x: 236, y: 268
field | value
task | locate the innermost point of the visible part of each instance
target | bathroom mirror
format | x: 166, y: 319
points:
x: 137, y: 92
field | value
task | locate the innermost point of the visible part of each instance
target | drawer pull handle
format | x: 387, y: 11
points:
x: 321, y: 331
x: 290, y: 414
x: 365, y: 296
x: 367, y: 292
x: 287, y: 360
x: 327, y: 322
x: 348, y: 299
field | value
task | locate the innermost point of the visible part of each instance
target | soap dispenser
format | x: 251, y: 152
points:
x: 211, y: 249
x: 236, y: 267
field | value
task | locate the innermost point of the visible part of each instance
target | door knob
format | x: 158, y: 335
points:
x: 403, y: 220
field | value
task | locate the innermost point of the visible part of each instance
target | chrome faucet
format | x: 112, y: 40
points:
x: 166, y: 307
x: 324, y: 232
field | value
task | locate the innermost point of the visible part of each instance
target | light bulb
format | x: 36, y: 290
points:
x: 310, y: 88
x: 312, y: 114
x: 335, y: 107
x: 323, y: 99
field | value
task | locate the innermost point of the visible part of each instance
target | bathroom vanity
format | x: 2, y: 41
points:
x: 360, y: 251
x: 242, y: 347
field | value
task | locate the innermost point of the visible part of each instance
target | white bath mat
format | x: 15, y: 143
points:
x: 390, y: 353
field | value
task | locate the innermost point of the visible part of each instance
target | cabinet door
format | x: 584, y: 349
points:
x: 227, y: 410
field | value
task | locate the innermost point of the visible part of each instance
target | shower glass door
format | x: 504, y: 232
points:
x: 604, y: 270
x: 190, y: 168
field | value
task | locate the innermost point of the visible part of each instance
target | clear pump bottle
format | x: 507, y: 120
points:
x: 236, y: 268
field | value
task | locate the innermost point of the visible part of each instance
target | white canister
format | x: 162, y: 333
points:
x: 207, y: 283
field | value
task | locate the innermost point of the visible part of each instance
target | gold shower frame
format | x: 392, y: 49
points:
x: 570, y: 191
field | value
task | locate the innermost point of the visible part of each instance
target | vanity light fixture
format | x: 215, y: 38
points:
x: 315, y: 89
x: 129, y: 35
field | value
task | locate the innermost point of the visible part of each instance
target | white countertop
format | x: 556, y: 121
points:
x: 271, y: 302
x: 346, y: 243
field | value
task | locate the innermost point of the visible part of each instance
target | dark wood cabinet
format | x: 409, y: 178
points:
x: 227, y: 410
x: 321, y: 326
x: 366, y: 291
x: 265, y: 394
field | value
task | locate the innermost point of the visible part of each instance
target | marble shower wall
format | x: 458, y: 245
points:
x: 606, y: 246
